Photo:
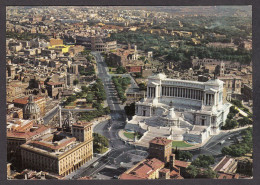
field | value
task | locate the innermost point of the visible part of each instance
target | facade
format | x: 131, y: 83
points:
x: 96, y: 43
x: 19, y: 132
x: 54, y: 89
x: 232, y: 83
x: 40, y: 101
x: 54, y: 42
x: 160, y: 148
x: 247, y: 92
x: 191, y: 110
x: 59, y: 152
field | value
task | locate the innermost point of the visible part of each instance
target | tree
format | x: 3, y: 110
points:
x: 75, y: 82
x: 130, y: 110
x: 138, y: 75
x: 209, y: 173
x: 99, y: 143
x: 84, y: 88
x: 192, y: 171
x: 233, y: 110
x: 217, y: 70
x: 142, y: 86
x: 244, y: 121
x: 89, y: 98
x: 185, y: 156
x: 203, y: 161
x: 120, y: 70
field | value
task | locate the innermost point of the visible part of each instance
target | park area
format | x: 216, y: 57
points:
x: 180, y: 144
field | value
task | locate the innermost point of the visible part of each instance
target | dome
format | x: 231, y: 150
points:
x: 31, y: 107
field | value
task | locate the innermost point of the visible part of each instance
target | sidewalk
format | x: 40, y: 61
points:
x: 236, y: 129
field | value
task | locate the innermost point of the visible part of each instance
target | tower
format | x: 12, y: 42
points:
x: 222, y: 68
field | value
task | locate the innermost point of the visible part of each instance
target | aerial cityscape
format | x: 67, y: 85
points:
x: 129, y: 93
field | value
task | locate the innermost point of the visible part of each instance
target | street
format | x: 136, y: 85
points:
x: 108, y: 165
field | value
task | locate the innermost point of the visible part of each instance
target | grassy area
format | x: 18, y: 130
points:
x: 180, y: 144
x: 103, y: 150
x: 129, y: 135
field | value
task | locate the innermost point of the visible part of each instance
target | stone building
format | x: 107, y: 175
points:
x: 20, y: 131
x: 160, y: 148
x: 184, y: 110
x: 40, y: 101
x: 59, y: 152
x: 97, y: 43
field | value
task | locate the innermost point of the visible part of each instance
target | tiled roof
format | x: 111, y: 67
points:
x: 143, y: 169
x: 24, y: 100
x: 52, y: 146
x: 26, y: 135
x: 222, y: 163
x: 160, y: 141
x: 181, y: 164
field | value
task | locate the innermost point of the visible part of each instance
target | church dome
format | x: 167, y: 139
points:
x: 31, y: 107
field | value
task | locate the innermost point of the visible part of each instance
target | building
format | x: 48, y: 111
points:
x: 54, y: 42
x: 226, y: 165
x: 184, y: 110
x: 232, y: 83
x: 153, y: 167
x: 20, y: 131
x: 247, y: 92
x: 160, y: 148
x: 145, y: 169
x: 59, y: 152
x: 96, y: 43
x: 54, y: 89
x: 40, y: 101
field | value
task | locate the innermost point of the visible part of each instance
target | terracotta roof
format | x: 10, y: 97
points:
x: 143, y: 169
x: 126, y: 176
x: 24, y: 100
x: 160, y: 141
x: 26, y: 135
x: 82, y: 124
x: 52, y: 146
x: 181, y: 164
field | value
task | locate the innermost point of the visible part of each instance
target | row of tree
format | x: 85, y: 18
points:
x: 242, y: 148
x: 121, y: 84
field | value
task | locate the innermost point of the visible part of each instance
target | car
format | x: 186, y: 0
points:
x: 115, y: 177
x: 95, y: 164
x: 222, y: 142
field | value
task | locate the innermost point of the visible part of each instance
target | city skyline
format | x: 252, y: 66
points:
x: 106, y: 92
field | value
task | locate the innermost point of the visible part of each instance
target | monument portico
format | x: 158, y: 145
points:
x: 179, y: 103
